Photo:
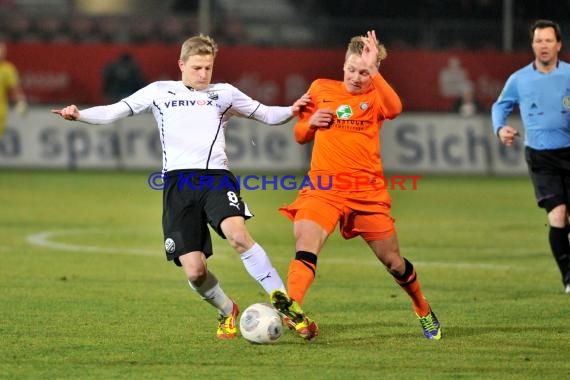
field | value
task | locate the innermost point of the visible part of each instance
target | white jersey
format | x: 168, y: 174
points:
x: 191, y: 123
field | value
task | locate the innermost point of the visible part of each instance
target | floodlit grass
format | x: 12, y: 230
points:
x: 87, y: 292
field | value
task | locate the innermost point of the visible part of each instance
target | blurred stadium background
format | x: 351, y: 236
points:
x: 86, y: 292
x: 421, y: 24
x: 271, y: 50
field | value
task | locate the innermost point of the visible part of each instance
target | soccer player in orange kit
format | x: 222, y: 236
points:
x: 344, y: 120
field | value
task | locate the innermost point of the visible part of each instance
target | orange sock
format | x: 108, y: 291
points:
x: 301, y: 275
x: 411, y: 285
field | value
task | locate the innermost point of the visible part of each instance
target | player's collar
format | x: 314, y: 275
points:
x: 534, y: 65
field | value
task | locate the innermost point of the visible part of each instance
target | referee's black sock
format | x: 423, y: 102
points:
x: 560, y: 246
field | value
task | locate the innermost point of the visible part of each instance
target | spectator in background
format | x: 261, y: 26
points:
x: 171, y: 29
x: 111, y: 30
x: 19, y: 28
x: 82, y: 29
x: 50, y: 28
x: 10, y: 89
x: 540, y: 89
x: 467, y: 104
x: 121, y: 78
x: 142, y: 29
x: 233, y: 31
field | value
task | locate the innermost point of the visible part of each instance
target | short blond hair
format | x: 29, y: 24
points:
x: 356, y: 45
x: 198, y: 45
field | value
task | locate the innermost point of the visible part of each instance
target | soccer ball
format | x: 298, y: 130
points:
x: 260, y: 323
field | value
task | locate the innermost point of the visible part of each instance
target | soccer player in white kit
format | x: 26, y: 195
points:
x: 192, y: 115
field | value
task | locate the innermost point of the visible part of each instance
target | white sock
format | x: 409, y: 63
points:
x: 259, y: 267
x: 211, y: 292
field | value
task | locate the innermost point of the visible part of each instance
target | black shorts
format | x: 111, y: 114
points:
x: 550, y: 174
x: 192, y: 199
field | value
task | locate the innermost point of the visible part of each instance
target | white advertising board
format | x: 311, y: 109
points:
x: 43, y: 140
x: 415, y: 143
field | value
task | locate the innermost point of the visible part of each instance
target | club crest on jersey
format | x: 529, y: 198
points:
x: 566, y: 102
x: 212, y: 95
x: 363, y: 106
x: 344, y: 112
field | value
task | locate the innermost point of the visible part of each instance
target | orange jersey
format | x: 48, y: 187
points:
x: 350, y: 148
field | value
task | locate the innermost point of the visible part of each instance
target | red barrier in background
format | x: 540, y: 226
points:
x: 425, y: 80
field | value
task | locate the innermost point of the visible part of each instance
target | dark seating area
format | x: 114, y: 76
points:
x: 425, y: 24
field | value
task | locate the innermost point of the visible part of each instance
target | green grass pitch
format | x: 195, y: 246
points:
x: 86, y: 292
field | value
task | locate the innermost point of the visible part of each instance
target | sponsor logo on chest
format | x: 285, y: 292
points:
x: 189, y: 103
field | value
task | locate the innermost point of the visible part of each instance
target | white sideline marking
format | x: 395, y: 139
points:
x: 43, y: 239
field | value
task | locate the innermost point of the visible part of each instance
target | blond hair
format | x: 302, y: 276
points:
x: 356, y: 45
x: 198, y: 45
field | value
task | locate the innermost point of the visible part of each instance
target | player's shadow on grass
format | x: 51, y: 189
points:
x: 364, y: 332
x: 462, y: 331
x: 372, y: 332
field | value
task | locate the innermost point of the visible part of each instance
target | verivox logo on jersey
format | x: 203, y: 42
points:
x: 185, y: 103
x: 344, y: 112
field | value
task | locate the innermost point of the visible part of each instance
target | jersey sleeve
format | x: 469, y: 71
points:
x: 245, y: 106
x: 302, y: 129
x: 105, y: 114
x: 138, y: 102
x: 390, y: 103
x: 142, y: 100
x: 504, y: 105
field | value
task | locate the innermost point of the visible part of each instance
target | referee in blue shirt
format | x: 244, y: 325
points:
x: 542, y: 92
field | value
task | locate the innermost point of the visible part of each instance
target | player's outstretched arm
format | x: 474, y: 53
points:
x: 96, y: 115
x: 68, y: 113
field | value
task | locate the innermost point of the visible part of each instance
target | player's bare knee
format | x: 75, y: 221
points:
x: 310, y: 242
x: 196, y: 274
x: 395, y: 266
x: 240, y: 241
x: 558, y: 216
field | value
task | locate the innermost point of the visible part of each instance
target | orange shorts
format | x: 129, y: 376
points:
x: 364, y: 213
